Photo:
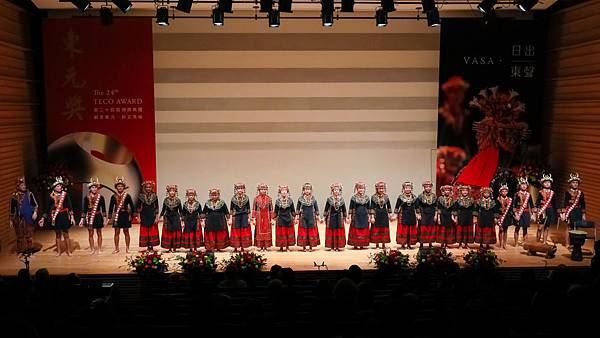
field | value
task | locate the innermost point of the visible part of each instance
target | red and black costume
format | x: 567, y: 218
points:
x: 308, y: 211
x: 121, y: 210
x: 284, y: 222
x: 215, y: 230
x: 147, y: 208
x: 547, y: 207
x: 505, y: 212
x: 171, y: 231
x: 358, y: 234
x: 486, y: 212
x: 94, y: 210
x: 465, y: 209
x: 426, y: 207
x: 574, y: 206
x: 446, y: 231
x: 406, y: 208
x: 335, y: 214
x: 241, y: 233
x: 192, y: 231
x: 22, y: 207
x: 61, y: 210
x: 381, y: 208
x: 522, y: 208
x: 262, y: 209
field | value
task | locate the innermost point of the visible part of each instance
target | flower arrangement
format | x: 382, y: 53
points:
x: 482, y: 259
x: 246, y: 261
x: 389, y: 260
x: 148, y: 262
x: 197, y: 261
x: 435, y: 259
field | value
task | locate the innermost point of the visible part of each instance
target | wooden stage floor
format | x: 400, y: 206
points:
x: 82, y: 262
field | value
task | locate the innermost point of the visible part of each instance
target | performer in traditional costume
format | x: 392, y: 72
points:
x: 262, y: 209
x: 547, y: 209
x: 446, y: 217
x: 61, y: 215
x: 574, y: 204
x: 284, y: 215
x: 147, y: 208
x: 380, y: 216
x: 191, y: 211
x: 335, y: 214
x: 216, y: 213
x: 172, y: 221
x: 406, y: 209
x: 523, y: 209
x: 241, y: 233
x: 308, y: 218
x: 22, y: 214
x: 93, y: 214
x: 358, y: 235
x: 465, y: 209
x: 121, y: 211
x: 505, y: 215
x: 487, y: 213
x: 426, y: 209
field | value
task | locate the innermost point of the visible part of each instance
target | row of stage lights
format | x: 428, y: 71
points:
x: 285, y: 6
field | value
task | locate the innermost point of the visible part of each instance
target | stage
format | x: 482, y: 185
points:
x: 82, y: 262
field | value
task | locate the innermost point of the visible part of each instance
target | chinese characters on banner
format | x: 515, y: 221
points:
x: 490, y: 99
x: 100, y: 97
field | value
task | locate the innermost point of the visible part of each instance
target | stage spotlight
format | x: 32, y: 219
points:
x: 486, y: 6
x: 274, y: 18
x: 285, y: 6
x: 388, y: 5
x: 381, y: 18
x: 218, y: 17
x: 226, y: 6
x: 348, y: 6
x: 162, y: 16
x: 433, y: 18
x: 428, y: 5
x: 266, y: 6
x: 106, y: 16
x: 525, y: 5
x: 124, y: 5
x: 184, y: 5
x: 83, y: 5
x: 327, y: 9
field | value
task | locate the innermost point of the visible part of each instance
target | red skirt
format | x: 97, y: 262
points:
x: 427, y: 233
x: 216, y: 240
x: 446, y: 235
x: 308, y: 237
x: 485, y: 235
x: 149, y: 235
x: 263, y: 240
x: 335, y: 238
x: 170, y: 239
x: 284, y: 236
x: 379, y: 234
x: 192, y: 239
x: 241, y: 237
x: 407, y: 234
x: 464, y: 233
x: 358, y: 237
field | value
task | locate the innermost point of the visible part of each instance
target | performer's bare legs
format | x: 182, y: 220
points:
x: 99, y: 234
x: 117, y: 233
x: 67, y: 242
x: 516, y: 236
x: 91, y: 241
x: 127, y: 239
x: 58, y: 249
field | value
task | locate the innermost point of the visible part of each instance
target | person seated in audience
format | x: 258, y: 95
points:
x: 232, y: 280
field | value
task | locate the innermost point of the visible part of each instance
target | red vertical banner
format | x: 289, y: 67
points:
x: 100, y: 98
